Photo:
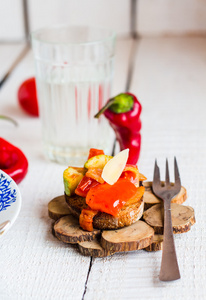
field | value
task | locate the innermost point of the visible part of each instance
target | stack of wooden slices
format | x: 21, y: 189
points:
x: 145, y: 231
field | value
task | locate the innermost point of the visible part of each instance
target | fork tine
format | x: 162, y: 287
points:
x: 167, y: 176
x: 156, y: 177
x: 177, y: 175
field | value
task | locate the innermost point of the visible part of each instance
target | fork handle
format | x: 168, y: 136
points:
x: 169, y: 266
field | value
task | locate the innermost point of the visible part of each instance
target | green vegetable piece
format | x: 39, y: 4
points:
x: 122, y: 103
x: 98, y: 161
x: 9, y: 119
x: 119, y: 104
x: 71, y: 177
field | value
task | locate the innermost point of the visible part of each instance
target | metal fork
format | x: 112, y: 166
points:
x: 169, y: 265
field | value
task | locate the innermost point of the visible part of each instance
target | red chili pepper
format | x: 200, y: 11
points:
x: 94, y: 152
x: 27, y: 97
x: 85, y: 185
x: 123, y: 112
x: 13, y: 161
x: 86, y: 219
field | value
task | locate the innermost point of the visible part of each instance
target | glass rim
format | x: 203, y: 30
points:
x: 111, y: 35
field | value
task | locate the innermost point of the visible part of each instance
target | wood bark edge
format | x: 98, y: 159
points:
x: 150, y: 199
x: 157, y: 243
x: 134, y: 237
x: 183, y: 217
x: 67, y: 230
x: 58, y: 208
x: 94, y: 249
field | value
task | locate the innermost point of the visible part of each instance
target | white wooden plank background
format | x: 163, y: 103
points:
x: 32, y: 258
x: 11, y: 20
x: 34, y: 265
x: 122, y: 58
x: 169, y: 79
x: 12, y: 51
x: 154, y: 17
x: 114, y: 14
x: 171, y: 17
x: 170, y: 83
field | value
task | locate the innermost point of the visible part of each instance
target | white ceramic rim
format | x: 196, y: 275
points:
x: 18, y: 200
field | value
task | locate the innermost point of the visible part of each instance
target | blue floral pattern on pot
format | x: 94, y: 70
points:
x: 7, y: 194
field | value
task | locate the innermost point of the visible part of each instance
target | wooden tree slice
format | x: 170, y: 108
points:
x: 93, y: 248
x: 157, y: 243
x: 67, y: 230
x: 58, y: 208
x: 183, y: 217
x: 134, y: 237
x: 150, y: 199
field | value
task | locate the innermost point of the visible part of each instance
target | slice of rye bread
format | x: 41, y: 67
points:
x: 127, y: 215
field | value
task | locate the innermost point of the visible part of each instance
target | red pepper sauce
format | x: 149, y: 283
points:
x: 110, y: 198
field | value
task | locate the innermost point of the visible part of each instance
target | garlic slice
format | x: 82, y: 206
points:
x: 114, y: 167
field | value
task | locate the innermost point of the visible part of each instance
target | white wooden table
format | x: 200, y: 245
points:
x: 169, y: 80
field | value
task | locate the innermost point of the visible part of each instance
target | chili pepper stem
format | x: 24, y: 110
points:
x: 9, y: 119
x: 107, y: 105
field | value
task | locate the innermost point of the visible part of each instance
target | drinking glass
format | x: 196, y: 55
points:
x: 74, y: 72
